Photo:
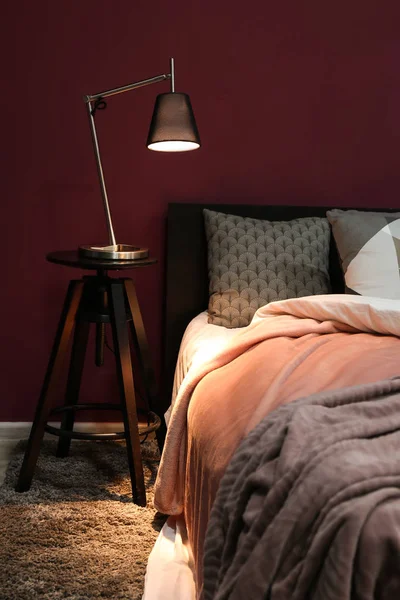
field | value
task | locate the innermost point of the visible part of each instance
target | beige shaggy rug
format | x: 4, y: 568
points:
x: 76, y: 533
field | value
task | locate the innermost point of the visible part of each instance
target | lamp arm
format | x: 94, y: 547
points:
x: 127, y: 88
x: 110, y: 229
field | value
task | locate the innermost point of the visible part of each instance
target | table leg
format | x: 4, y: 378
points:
x: 57, y: 356
x: 77, y: 360
x: 126, y: 387
x: 142, y: 350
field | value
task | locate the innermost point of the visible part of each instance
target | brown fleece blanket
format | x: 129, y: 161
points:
x: 309, y: 507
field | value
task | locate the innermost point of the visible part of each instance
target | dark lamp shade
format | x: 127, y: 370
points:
x: 173, y: 127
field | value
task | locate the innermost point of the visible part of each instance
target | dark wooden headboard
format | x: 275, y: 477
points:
x: 186, y: 268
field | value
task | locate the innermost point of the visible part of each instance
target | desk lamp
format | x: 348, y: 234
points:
x: 172, y: 129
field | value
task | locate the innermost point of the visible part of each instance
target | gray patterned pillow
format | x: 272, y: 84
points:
x: 369, y: 247
x: 253, y: 262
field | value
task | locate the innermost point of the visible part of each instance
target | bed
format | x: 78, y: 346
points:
x: 234, y: 419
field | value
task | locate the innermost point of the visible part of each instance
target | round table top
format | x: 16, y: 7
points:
x: 72, y: 258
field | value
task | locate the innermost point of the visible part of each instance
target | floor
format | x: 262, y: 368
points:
x: 6, y: 448
x: 10, y: 436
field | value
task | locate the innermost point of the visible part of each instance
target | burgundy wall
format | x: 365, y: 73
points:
x: 295, y: 102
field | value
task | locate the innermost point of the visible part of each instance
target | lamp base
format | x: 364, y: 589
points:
x: 117, y: 252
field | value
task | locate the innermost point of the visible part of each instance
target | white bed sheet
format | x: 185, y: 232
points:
x: 169, y: 573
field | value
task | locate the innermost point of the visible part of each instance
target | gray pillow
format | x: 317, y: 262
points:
x: 369, y: 247
x: 253, y: 262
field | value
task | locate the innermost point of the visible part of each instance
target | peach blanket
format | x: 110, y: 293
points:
x: 292, y: 349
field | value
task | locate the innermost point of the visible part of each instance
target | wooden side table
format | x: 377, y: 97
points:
x: 97, y: 299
